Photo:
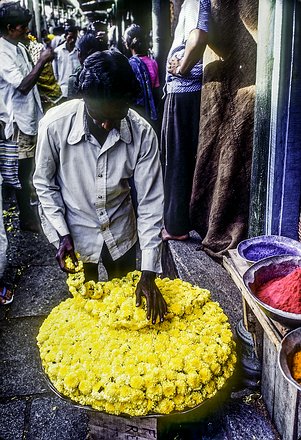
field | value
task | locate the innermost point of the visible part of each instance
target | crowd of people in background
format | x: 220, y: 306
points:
x: 70, y: 63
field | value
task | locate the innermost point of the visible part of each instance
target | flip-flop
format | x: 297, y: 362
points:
x: 4, y: 301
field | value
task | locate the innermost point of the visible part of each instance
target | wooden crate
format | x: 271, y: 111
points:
x: 107, y: 427
x: 281, y: 398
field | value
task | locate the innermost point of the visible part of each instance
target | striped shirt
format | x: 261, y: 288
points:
x: 194, y: 14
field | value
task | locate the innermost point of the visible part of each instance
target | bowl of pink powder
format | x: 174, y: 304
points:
x: 275, y: 285
x: 264, y: 246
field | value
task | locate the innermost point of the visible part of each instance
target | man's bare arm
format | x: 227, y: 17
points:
x: 31, y: 79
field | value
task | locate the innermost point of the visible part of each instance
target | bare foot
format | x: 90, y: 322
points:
x: 167, y: 236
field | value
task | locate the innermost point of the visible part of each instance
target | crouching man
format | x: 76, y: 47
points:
x: 87, y: 151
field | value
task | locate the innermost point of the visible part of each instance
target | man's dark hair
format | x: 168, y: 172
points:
x: 71, y: 29
x: 12, y: 13
x: 108, y: 75
x: 88, y: 44
x: 58, y: 30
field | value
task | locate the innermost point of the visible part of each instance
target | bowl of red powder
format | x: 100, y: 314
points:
x: 275, y: 284
x: 289, y: 358
x: 264, y: 246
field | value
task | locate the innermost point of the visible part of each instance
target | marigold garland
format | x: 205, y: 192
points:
x: 99, y: 349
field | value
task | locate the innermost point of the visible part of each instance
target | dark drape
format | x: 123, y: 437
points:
x: 220, y: 197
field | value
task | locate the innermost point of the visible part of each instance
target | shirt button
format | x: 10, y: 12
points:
x: 99, y: 175
x: 99, y: 197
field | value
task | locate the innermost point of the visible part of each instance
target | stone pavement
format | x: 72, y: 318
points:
x: 29, y: 410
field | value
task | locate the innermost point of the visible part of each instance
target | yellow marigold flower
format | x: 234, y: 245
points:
x: 215, y: 368
x: 63, y: 371
x: 154, y: 391
x: 71, y: 380
x: 193, y: 380
x: 177, y: 309
x: 169, y: 389
x: 85, y: 387
x: 137, y: 382
x: 204, y: 374
x: 166, y: 406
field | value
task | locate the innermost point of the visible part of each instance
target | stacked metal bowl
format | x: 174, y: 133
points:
x: 273, y: 257
x: 258, y: 248
x: 266, y: 270
x: 290, y: 344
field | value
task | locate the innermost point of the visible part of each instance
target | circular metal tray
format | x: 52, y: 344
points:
x: 188, y: 415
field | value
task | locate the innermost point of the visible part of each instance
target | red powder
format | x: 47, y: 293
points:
x: 283, y: 293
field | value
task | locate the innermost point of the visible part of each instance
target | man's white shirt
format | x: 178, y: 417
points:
x: 24, y: 110
x: 83, y: 186
x: 64, y: 64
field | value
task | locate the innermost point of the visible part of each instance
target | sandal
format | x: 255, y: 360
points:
x: 6, y: 296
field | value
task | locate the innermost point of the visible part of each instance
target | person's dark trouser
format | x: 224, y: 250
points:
x: 115, y: 269
x: 28, y: 214
x: 179, y: 142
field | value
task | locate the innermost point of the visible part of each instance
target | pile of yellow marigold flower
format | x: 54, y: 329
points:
x: 99, y: 349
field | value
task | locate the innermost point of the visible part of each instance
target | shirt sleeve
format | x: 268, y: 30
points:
x: 55, y: 65
x: 10, y: 71
x: 204, y: 15
x: 149, y: 187
x: 48, y: 191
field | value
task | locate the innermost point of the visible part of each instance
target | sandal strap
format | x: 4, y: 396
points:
x: 3, y: 292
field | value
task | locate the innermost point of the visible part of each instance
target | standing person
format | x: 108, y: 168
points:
x: 18, y: 78
x: 6, y: 295
x: 87, y: 45
x: 58, y: 37
x: 145, y: 69
x: 113, y: 34
x: 66, y: 59
x: 87, y: 151
x: 99, y: 28
x: 180, y: 125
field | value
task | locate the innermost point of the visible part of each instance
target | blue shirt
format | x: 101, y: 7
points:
x: 194, y: 14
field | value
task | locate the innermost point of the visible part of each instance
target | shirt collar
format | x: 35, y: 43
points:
x: 64, y: 47
x: 80, y: 128
x: 8, y: 45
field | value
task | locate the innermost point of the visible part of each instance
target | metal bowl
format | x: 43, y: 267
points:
x: 266, y: 270
x: 264, y: 246
x: 290, y: 344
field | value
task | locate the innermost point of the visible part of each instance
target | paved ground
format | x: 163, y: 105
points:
x: 29, y: 410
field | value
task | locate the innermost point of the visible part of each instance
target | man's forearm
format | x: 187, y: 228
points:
x: 31, y: 79
x: 194, y: 50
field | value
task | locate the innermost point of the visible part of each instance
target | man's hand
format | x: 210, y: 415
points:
x: 66, y: 247
x: 46, y: 55
x: 174, y: 64
x: 156, y: 305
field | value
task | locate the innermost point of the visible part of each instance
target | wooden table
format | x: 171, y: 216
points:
x: 281, y: 398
